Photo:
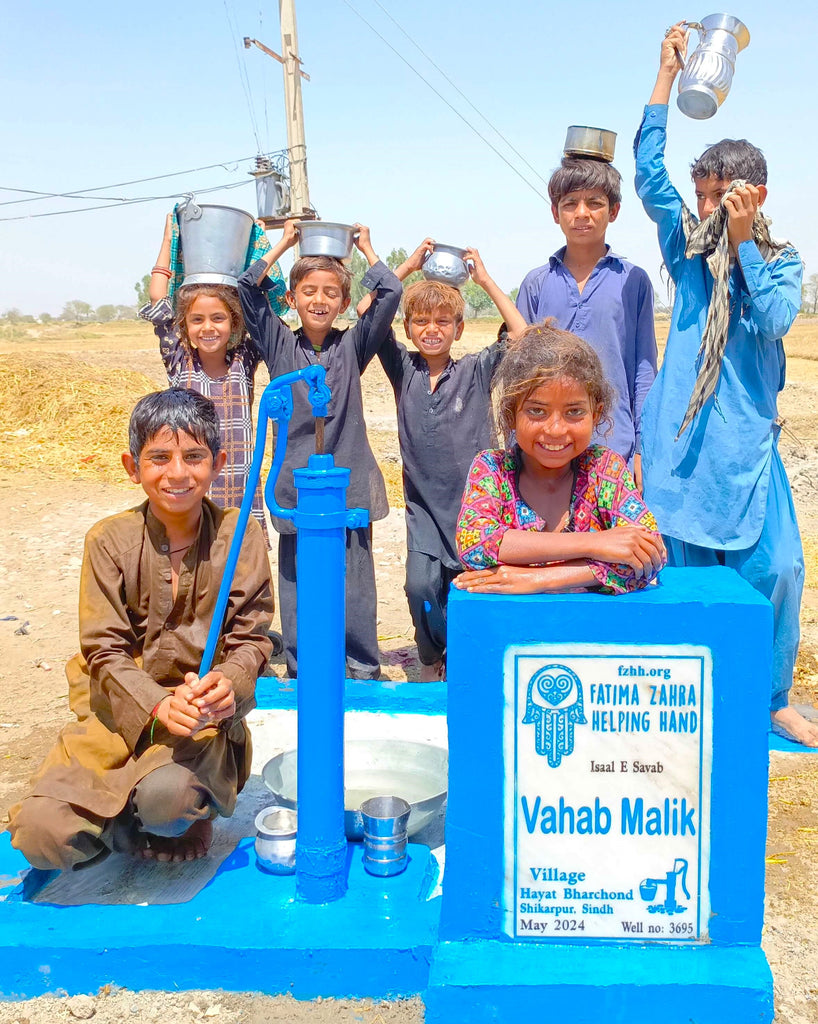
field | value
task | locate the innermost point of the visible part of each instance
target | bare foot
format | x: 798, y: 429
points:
x: 792, y: 725
x: 431, y: 673
x: 193, y: 845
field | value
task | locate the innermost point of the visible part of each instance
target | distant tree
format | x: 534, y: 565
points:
x: 513, y: 294
x: 359, y: 267
x: 809, y: 295
x: 658, y: 306
x: 125, y: 313
x: 105, y: 313
x: 477, y: 302
x: 76, y: 310
x: 12, y: 316
x: 141, y: 289
x: 45, y: 318
x: 396, y: 257
x: 394, y: 260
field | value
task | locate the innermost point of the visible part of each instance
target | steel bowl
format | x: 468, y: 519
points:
x: 418, y: 772
x: 582, y: 141
x: 276, y: 829
x: 446, y: 263
x: 324, y: 238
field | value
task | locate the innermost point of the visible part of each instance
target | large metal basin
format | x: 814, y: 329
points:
x: 418, y: 772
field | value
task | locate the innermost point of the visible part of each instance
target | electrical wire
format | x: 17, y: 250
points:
x: 454, y: 109
x: 266, y: 116
x: 128, y: 202
x: 243, y: 77
x: 79, y: 193
x: 460, y: 92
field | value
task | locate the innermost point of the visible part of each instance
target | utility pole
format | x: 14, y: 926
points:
x: 294, y: 111
x: 296, y: 143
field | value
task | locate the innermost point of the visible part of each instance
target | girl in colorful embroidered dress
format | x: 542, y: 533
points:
x: 551, y: 511
x: 205, y: 347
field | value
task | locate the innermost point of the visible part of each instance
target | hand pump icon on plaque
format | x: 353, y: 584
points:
x: 649, y: 886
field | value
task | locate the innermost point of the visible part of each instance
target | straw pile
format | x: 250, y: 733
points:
x: 62, y: 417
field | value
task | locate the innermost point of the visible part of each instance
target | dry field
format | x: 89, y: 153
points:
x: 65, y: 396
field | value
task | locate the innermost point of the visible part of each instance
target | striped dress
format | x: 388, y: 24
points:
x: 232, y: 395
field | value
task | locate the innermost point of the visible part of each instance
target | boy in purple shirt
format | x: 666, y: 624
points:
x: 596, y: 294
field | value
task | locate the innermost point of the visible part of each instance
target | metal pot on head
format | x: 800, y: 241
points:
x: 597, y: 143
x: 325, y: 238
x: 214, y: 242
x: 447, y: 264
x: 708, y: 71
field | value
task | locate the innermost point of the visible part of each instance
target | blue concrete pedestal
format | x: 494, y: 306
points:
x: 481, y: 971
x: 488, y: 982
x: 245, y: 931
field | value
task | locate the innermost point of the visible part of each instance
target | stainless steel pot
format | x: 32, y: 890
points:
x: 582, y: 141
x: 446, y: 263
x: 276, y: 829
x: 708, y: 71
x: 214, y: 242
x: 325, y: 238
x: 373, y: 767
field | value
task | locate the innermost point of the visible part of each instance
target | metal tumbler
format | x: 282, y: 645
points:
x: 385, y: 819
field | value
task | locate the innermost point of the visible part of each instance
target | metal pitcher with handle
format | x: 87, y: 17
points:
x: 708, y: 71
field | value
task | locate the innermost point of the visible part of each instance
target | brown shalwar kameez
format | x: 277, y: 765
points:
x: 136, y: 643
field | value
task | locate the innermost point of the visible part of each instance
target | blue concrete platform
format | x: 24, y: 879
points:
x: 484, y: 981
x: 245, y: 931
x: 361, y: 695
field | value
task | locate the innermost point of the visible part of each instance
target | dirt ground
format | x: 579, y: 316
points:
x: 47, y: 503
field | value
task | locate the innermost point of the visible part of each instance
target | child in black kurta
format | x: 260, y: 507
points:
x: 444, y: 420
x: 319, y: 292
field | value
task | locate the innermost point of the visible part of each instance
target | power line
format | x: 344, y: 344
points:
x: 79, y: 193
x: 243, y: 77
x: 127, y: 202
x: 454, y: 109
x: 460, y: 92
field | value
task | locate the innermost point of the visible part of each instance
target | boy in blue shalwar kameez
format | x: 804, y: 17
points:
x: 712, y: 472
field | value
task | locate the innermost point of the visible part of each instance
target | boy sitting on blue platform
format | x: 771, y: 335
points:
x: 590, y: 290
x: 713, y: 475
x: 444, y: 419
x: 319, y: 292
x: 155, y: 752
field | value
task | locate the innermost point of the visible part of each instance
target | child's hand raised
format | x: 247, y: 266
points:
x: 364, y: 243
x: 635, y: 546
x: 674, y: 49
x: 289, y: 233
x: 741, y: 205
x: 418, y: 257
x: 478, y: 271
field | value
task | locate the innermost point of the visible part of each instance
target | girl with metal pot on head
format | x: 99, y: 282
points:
x: 203, y: 342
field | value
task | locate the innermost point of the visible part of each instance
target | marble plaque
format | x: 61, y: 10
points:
x: 607, y: 792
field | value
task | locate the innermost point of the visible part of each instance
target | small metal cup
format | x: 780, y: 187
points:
x: 385, y: 819
x: 275, y: 840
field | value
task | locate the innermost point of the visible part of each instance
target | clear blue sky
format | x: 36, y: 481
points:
x: 98, y: 93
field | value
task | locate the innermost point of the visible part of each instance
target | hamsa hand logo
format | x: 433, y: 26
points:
x: 554, y: 705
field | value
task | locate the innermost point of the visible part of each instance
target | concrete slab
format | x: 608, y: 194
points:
x: 484, y: 981
x: 245, y: 931
x: 232, y: 926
